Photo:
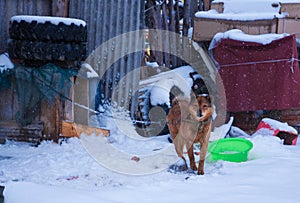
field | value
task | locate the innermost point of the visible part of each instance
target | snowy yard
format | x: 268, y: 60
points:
x: 68, y: 173
x: 127, y: 168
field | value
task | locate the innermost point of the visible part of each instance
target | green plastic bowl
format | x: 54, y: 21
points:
x: 230, y: 149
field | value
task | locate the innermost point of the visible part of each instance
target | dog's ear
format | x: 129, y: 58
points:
x: 210, y: 98
x: 192, y: 75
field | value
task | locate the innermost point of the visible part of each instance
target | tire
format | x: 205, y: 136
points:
x: 34, y: 31
x: 49, y: 51
x: 156, y: 124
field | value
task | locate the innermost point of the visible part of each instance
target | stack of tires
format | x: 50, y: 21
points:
x: 41, y: 38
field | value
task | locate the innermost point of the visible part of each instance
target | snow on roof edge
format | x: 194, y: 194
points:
x: 52, y: 19
x: 239, y: 35
x: 247, y: 10
x: 280, y: 1
x: 213, y: 14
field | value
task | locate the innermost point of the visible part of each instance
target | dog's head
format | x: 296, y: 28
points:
x: 202, y: 103
x: 205, y: 105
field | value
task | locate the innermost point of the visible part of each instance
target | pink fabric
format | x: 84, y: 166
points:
x: 259, y: 77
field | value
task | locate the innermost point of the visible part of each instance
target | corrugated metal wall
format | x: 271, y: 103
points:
x: 107, y: 19
x: 10, y: 8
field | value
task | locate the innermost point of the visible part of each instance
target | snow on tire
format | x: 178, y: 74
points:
x: 38, y: 50
x: 40, y: 28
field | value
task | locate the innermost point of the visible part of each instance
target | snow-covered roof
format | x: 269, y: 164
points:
x: 86, y: 71
x: 162, y: 83
x: 240, y: 16
x: 5, y: 63
x: 52, y: 20
x: 245, y: 10
x: 152, y: 64
x: 239, y: 35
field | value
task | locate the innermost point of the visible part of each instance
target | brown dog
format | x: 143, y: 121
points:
x: 187, y: 128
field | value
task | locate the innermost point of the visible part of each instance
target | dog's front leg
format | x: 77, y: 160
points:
x: 203, y: 151
x: 201, y: 167
x: 192, y: 158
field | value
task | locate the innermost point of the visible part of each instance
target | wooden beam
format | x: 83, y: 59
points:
x: 71, y: 129
x: 81, y: 97
x: 60, y: 8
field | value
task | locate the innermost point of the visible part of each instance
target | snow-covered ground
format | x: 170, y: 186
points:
x: 74, y: 172
x: 68, y: 172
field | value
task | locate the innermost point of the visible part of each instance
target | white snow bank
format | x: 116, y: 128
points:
x: 160, y: 91
x: 162, y: 83
x: 53, y: 20
x: 275, y: 125
x: 5, y: 63
x: 47, y: 173
x: 87, y: 71
x: 239, y: 35
x: 221, y: 131
x: 245, y: 10
x: 289, y: 1
x: 30, y: 192
x: 152, y: 64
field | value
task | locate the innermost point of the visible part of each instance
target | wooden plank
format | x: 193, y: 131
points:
x: 291, y: 121
x: 218, y: 6
x: 291, y: 8
x: 291, y: 26
x: 81, y: 97
x: 69, y: 105
x: 43, y: 8
x: 11, y: 131
x: 48, y: 117
x: 206, y: 28
x: 290, y: 112
x: 6, y: 105
x: 71, y: 129
x: 60, y: 8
